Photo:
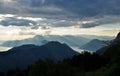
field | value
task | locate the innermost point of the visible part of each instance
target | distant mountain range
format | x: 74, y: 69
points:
x: 94, y: 45
x: 25, y: 55
x: 37, y: 40
x: 22, y: 56
x: 105, y: 38
x: 72, y: 41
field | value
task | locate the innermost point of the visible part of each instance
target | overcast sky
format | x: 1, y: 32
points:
x: 21, y: 19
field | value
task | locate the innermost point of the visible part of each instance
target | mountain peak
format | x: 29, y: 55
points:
x: 93, y: 45
x: 54, y: 43
x: 118, y: 36
x: 117, y: 39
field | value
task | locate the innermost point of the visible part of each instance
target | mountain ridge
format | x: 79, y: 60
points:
x: 94, y: 45
x: 25, y: 55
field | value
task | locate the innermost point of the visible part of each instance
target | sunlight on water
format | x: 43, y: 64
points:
x: 77, y: 49
x: 80, y: 50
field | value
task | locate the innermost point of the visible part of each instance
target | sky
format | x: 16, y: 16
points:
x: 21, y: 19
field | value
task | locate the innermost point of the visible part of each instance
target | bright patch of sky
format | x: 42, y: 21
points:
x: 110, y: 26
x: 109, y: 29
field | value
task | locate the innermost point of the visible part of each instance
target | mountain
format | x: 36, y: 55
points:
x: 112, y: 54
x: 73, y: 41
x: 37, y: 40
x: 112, y: 49
x: 93, y: 45
x: 105, y: 38
x: 25, y: 55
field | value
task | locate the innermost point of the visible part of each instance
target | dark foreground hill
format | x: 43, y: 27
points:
x: 25, y: 55
x: 112, y: 52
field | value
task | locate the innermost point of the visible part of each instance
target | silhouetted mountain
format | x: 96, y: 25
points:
x: 25, y: 55
x: 112, y: 52
x: 113, y: 48
x: 93, y: 45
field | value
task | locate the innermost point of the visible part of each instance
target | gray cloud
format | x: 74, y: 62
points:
x: 101, y: 21
x: 35, y: 23
x: 34, y: 8
x: 44, y: 23
x: 64, y: 23
x: 89, y: 25
x: 61, y: 8
x: 16, y: 22
x: 35, y: 27
x: 27, y: 33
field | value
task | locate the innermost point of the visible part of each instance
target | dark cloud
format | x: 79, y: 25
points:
x: 63, y: 23
x: 100, y: 21
x: 45, y: 24
x: 16, y: 22
x: 61, y: 8
x: 69, y: 10
x: 89, y: 25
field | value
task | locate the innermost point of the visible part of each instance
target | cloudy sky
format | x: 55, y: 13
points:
x: 21, y: 19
